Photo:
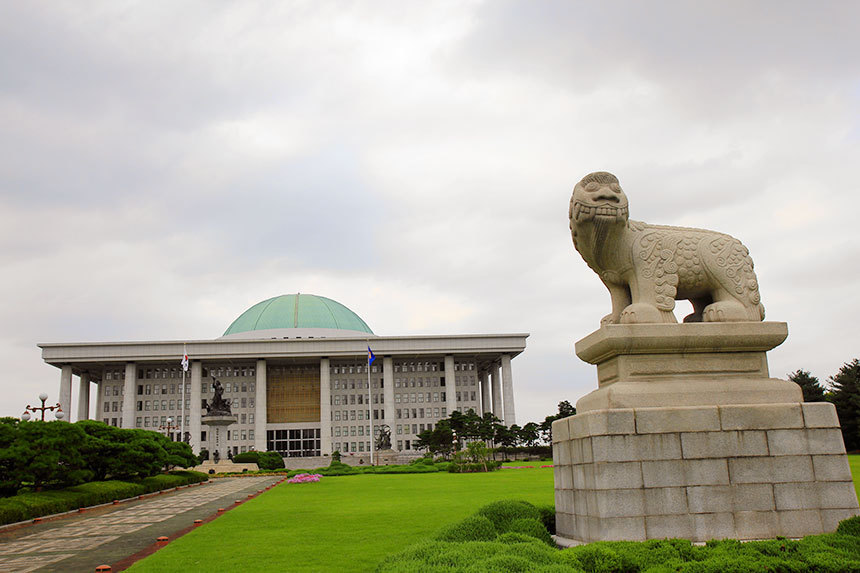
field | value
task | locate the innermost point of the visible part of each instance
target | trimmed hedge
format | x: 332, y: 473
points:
x: 265, y: 460
x: 462, y: 468
x: 29, y: 505
x: 511, y: 536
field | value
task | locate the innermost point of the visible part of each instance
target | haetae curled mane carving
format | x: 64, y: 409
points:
x: 647, y: 267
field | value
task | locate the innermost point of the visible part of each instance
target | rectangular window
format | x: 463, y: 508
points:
x: 140, y: 405
x: 243, y: 419
x: 250, y: 418
x: 250, y: 434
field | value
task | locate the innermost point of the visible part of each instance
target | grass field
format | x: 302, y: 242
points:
x: 342, y: 523
x: 349, y: 523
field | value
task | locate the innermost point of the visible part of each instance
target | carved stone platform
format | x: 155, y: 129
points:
x: 687, y: 436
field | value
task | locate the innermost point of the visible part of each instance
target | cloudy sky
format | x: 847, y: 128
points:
x: 165, y: 165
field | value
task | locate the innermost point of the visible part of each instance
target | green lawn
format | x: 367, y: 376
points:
x: 345, y: 523
x: 348, y: 523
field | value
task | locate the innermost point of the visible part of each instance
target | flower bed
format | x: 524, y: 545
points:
x: 304, y: 478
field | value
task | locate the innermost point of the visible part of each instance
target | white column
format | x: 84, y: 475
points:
x: 260, y: 419
x: 84, y: 397
x: 486, y: 401
x: 497, y: 392
x: 508, y: 391
x: 100, y: 398
x: 66, y: 392
x: 128, y: 390
x: 450, y: 385
x: 194, y: 424
x: 325, y: 407
x: 388, y: 396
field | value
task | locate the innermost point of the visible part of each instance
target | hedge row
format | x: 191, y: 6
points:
x: 512, y: 536
x: 29, y: 505
x: 465, y: 468
x: 264, y: 460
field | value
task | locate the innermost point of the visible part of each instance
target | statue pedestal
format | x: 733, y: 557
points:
x: 218, y: 421
x: 687, y: 436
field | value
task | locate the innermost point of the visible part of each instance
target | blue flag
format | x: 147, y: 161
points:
x: 370, y: 356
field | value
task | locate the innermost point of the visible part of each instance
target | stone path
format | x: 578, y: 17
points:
x: 107, y: 535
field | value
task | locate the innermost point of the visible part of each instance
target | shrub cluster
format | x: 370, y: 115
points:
x: 512, y: 536
x: 59, y: 454
x: 265, y: 460
x: 35, y: 504
x: 471, y: 467
x: 542, y: 452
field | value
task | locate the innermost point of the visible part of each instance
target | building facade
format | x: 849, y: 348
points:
x: 294, y: 369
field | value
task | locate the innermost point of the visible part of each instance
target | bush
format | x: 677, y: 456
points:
x: 502, y: 513
x: 472, y: 467
x: 30, y: 505
x: 513, y: 545
x: 850, y: 526
x: 271, y: 461
x: 533, y: 528
x: 547, y: 517
x: 474, y: 528
x: 252, y: 457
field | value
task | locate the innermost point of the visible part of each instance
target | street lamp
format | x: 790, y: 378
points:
x: 59, y: 415
x: 169, y: 427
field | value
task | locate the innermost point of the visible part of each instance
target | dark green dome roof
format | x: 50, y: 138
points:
x: 298, y: 311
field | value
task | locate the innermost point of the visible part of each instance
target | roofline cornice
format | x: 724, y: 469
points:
x: 247, y: 349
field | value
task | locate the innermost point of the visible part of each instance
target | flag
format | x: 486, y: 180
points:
x: 185, y: 362
x: 370, y: 356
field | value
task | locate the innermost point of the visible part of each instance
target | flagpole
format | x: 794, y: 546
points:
x: 182, y: 398
x: 369, y: 403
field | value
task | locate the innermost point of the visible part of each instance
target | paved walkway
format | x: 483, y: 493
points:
x: 110, y: 534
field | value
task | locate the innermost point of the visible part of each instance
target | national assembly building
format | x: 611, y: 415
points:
x: 294, y: 370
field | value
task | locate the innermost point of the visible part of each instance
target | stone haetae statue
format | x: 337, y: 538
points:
x: 383, y: 440
x: 218, y: 406
x: 647, y: 267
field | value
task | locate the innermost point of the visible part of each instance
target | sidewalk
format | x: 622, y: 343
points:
x: 109, y: 535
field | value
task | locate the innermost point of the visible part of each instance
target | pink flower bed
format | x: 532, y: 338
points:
x: 549, y: 466
x: 304, y: 478
x: 517, y: 467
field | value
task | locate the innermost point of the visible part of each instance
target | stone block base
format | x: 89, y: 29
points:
x: 742, y: 471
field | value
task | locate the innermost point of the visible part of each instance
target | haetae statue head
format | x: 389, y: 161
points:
x: 598, y: 196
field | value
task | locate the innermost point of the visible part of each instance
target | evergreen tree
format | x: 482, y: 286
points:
x: 845, y: 395
x: 812, y: 389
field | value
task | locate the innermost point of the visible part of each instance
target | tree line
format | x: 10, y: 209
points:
x: 843, y: 391
x: 60, y: 454
x: 450, y: 433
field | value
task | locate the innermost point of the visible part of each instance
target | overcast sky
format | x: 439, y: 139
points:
x: 165, y: 165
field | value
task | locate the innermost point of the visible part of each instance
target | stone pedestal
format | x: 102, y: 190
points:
x: 218, y: 421
x: 687, y: 436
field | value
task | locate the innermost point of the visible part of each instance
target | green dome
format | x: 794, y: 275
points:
x: 298, y: 311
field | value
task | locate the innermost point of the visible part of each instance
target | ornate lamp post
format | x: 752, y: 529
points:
x: 169, y: 427
x: 26, y: 415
